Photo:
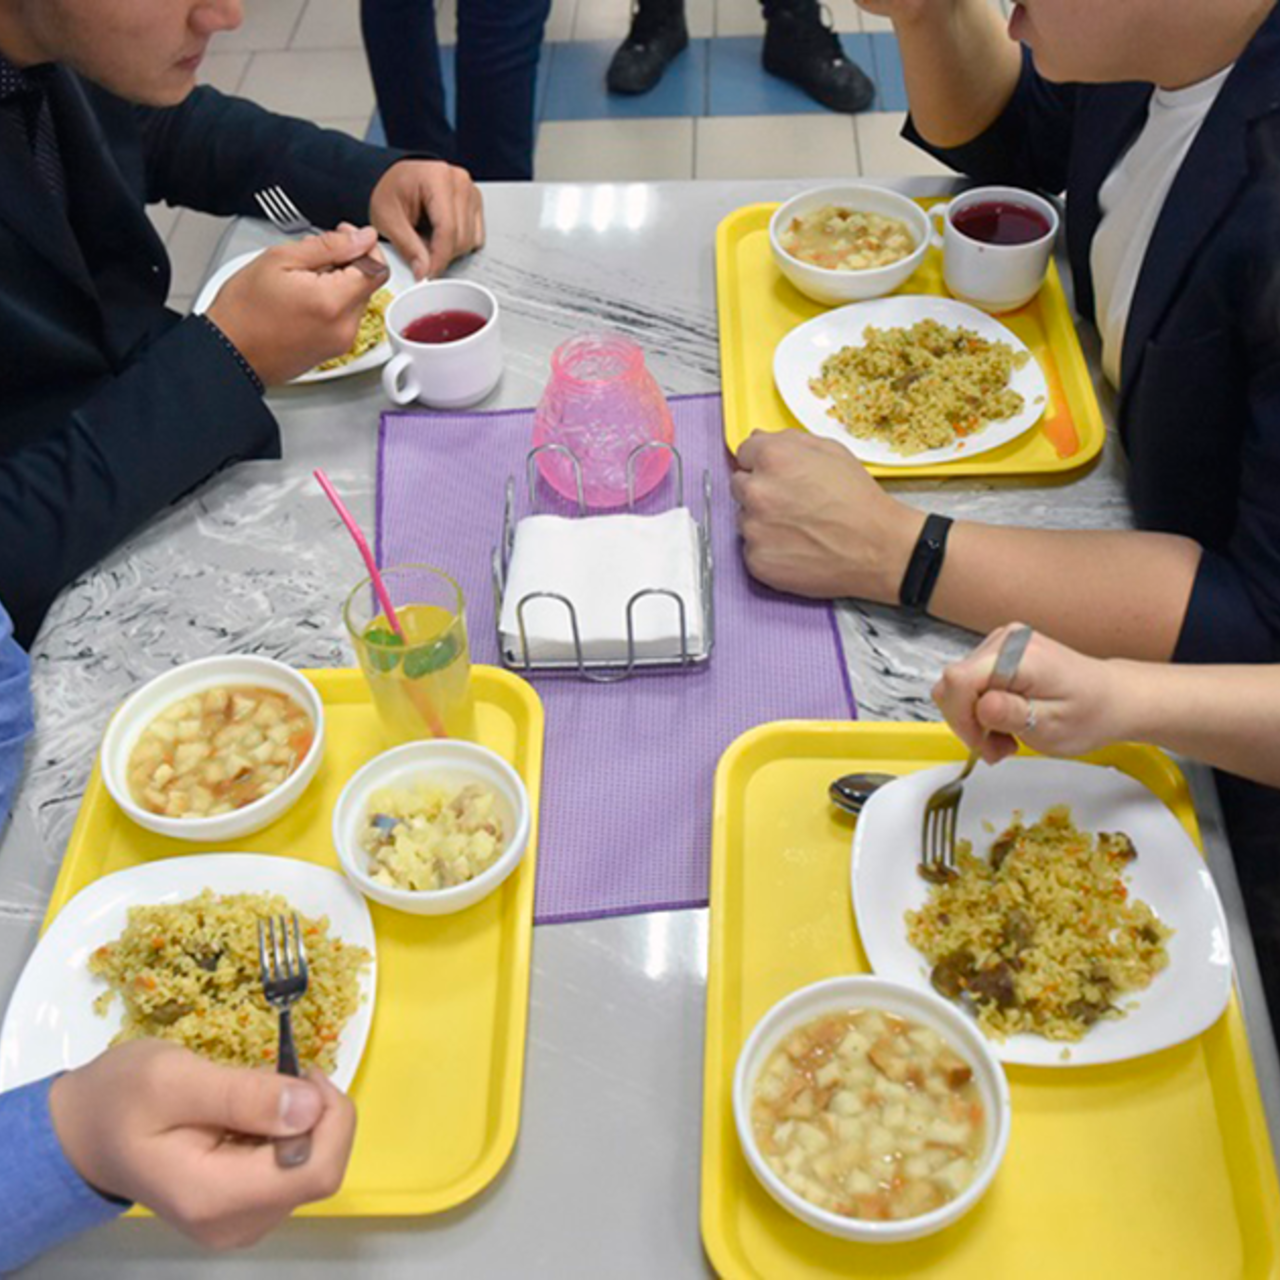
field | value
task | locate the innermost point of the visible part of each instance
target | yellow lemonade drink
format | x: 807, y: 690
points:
x: 419, y: 678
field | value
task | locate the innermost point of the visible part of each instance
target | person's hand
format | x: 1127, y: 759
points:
x: 1074, y: 700
x: 814, y: 523
x: 415, y: 197
x: 149, y: 1121
x: 298, y: 303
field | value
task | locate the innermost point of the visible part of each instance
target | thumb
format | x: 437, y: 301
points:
x: 254, y: 1103
x: 332, y: 249
x: 999, y: 711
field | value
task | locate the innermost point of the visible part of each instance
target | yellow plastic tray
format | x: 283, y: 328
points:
x: 438, y: 1091
x: 758, y: 307
x: 1157, y: 1167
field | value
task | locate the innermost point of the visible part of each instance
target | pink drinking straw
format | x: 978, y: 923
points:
x: 419, y: 696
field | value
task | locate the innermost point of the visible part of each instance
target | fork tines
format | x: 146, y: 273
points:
x: 280, y: 210
x: 283, y: 958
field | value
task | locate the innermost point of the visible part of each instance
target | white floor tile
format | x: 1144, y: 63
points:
x: 181, y: 302
x: 329, y: 24
x: 268, y: 24
x: 739, y: 18
x: 602, y: 19
x: 352, y: 126
x: 885, y: 154
x: 191, y: 245
x: 447, y: 21
x: 873, y: 21
x: 614, y: 150
x: 224, y: 71
x: 797, y: 146
x: 329, y: 84
x: 700, y: 17
x: 560, y: 19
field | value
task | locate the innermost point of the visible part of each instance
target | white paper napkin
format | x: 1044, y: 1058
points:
x: 600, y: 562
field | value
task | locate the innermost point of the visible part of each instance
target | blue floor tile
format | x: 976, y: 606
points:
x: 576, y: 90
x: 891, y: 88
x: 739, y: 85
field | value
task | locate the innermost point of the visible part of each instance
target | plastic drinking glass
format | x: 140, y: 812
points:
x: 602, y: 403
x: 421, y: 684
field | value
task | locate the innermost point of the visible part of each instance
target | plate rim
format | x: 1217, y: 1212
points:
x: 927, y: 303
x: 1026, y: 1049
x: 343, y: 1077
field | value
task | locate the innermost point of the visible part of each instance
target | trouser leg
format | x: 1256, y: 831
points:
x: 404, y: 61
x: 499, y: 42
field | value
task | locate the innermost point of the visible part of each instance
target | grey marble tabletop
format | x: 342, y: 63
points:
x: 604, y: 1179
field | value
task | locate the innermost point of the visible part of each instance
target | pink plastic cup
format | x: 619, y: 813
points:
x: 602, y: 403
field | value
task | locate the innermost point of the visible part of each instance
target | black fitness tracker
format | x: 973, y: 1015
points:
x: 925, y: 564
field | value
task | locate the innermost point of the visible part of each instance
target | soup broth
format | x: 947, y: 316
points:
x: 869, y: 1115
x: 218, y: 750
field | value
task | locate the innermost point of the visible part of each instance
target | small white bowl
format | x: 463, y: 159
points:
x: 140, y: 709
x: 836, y: 995
x: 832, y: 288
x: 449, y: 762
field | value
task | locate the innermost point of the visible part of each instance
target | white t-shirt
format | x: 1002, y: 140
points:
x: 1131, y: 199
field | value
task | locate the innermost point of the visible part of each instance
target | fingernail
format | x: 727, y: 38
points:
x: 299, y: 1107
x: 419, y: 268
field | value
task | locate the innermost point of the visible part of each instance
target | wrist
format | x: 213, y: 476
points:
x: 1130, y: 706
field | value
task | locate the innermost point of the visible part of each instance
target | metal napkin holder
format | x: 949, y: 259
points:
x: 605, y: 670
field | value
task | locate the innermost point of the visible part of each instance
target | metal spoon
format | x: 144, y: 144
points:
x: 852, y: 791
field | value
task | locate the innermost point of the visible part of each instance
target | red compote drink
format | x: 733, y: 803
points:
x: 444, y: 326
x: 1001, y: 222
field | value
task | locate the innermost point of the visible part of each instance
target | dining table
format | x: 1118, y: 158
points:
x: 604, y: 1177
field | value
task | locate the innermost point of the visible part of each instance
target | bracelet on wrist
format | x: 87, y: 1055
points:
x: 925, y: 565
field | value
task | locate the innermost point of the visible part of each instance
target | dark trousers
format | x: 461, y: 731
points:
x: 497, y: 66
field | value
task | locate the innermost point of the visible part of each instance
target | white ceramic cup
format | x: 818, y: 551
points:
x: 443, y: 375
x: 993, y: 277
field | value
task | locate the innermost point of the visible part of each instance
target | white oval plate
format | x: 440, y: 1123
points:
x: 401, y: 278
x: 1169, y: 875
x: 799, y: 356
x: 50, y: 1024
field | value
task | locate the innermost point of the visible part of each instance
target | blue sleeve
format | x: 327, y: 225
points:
x: 43, y: 1200
x: 15, y: 712
x: 1027, y: 145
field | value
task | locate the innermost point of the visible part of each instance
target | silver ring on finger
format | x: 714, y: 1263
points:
x: 1030, y: 725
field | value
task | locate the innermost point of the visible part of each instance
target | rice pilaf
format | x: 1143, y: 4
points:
x: 188, y: 972
x: 1043, y: 936
x: 920, y: 388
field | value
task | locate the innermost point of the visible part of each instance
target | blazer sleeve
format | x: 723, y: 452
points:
x: 1028, y: 144
x: 212, y: 152
x: 182, y: 411
x: 1234, y: 611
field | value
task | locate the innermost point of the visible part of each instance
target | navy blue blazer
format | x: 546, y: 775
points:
x: 111, y: 405
x: 1199, y: 410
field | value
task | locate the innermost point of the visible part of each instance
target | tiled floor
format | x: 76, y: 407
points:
x: 715, y: 115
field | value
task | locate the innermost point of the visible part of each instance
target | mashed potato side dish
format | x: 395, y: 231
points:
x: 842, y: 239
x: 373, y: 330
x: 869, y: 1115
x: 920, y: 388
x: 426, y: 836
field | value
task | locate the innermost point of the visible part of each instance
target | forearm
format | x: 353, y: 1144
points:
x: 960, y: 69
x: 1228, y: 717
x: 1114, y: 594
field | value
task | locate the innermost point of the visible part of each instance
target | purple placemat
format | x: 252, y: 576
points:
x: 629, y: 767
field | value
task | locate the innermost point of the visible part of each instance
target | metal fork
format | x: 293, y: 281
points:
x: 284, y: 983
x: 938, y: 837
x: 286, y: 217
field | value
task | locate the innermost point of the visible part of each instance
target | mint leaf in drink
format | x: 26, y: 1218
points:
x: 430, y: 657
x: 383, y: 636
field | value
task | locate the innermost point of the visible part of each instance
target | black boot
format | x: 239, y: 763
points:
x: 800, y: 47
x: 658, y: 33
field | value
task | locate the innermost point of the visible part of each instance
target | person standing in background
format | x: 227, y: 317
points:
x: 499, y: 42
x: 798, y: 46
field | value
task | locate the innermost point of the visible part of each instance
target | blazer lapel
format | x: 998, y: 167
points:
x: 1215, y: 169
x: 32, y: 212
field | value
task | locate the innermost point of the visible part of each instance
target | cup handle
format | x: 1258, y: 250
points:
x: 400, y: 389
x: 937, y: 215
